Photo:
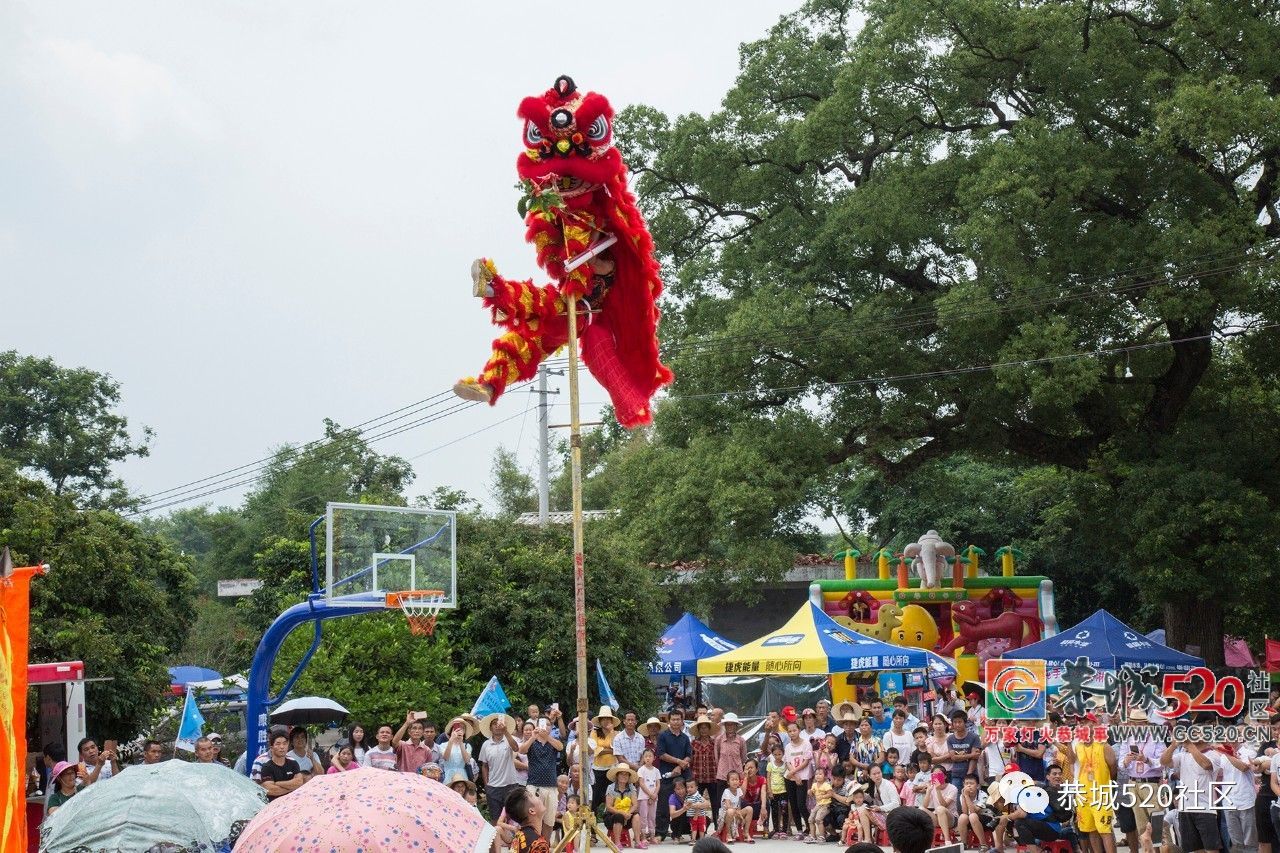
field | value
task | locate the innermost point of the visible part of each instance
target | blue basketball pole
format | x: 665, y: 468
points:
x: 315, y: 609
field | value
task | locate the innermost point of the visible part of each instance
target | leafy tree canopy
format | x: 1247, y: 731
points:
x: 378, y: 671
x: 1025, y: 233
x: 61, y: 423
x: 515, y: 584
x: 115, y: 597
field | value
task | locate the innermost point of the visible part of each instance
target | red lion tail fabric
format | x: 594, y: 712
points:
x: 600, y: 352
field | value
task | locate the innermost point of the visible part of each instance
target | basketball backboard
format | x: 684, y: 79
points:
x: 372, y: 551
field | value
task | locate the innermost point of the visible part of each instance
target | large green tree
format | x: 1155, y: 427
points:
x: 374, y: 667
x: 516, y: 614
x: 1026, y: 232
x: 266, y: 537
x: 62, y: 424
x: 115, y: 597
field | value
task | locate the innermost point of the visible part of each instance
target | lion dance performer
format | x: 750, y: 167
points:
x: 592, y: 241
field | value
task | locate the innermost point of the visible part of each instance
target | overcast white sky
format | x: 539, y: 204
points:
x: 255, y: 215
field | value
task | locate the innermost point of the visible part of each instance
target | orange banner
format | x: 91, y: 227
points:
x: 15, y: 618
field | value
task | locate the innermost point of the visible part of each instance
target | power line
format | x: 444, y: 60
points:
x: 304, y: 447
x: 461, y: 438
x: 321, y: 450
x: 722, y: 345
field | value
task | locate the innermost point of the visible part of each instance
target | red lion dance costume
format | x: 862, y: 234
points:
x: 592, y: 241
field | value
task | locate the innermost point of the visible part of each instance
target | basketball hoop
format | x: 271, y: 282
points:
x: 421, y: 607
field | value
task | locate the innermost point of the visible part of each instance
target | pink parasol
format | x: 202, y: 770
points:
x: 369, y: 810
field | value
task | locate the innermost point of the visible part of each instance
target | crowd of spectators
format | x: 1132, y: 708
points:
x: 817, y: 775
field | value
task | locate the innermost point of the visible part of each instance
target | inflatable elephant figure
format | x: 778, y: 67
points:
x: 930, y: 554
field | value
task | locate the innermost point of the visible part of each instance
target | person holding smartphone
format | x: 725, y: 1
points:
x: 542, y: 752
x: 95, y: 765
x: 417, y: 750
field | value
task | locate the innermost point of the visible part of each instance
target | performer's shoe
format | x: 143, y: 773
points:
x: 482, y: 273
x: 472, y: 389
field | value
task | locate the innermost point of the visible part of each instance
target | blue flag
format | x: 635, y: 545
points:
x: 606, y: 692
x: 492, y: 700
x: 192, y: 726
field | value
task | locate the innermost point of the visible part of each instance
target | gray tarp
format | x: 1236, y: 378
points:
x: 751, y: 697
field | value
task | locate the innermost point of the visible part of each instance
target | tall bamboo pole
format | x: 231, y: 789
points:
x: 579, y: 569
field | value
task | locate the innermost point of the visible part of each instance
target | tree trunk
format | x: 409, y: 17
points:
x: 1194, y: 625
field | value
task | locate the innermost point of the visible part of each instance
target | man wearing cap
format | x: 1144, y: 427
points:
x: 1139, y: 760
x: 675, y: 752
x: 497, y: 762
x: 848, y: 715
x: 216, y: 740
x: 628, y: 744
x: 543, y: 753
x: 731, y: 757
x: 975, y: 709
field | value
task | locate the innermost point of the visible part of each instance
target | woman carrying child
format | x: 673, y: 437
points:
x: 621, y: 806
x: 679, y: 811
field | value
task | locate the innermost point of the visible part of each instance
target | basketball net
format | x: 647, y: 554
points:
x: 421, y: 607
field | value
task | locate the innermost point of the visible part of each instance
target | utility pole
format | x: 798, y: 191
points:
x: 544, y: 444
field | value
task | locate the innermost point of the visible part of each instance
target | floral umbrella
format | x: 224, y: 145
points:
x: 175, y: 806
x: 368, y: 810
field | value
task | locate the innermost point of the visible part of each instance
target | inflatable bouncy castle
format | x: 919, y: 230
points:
x: 935, y: 597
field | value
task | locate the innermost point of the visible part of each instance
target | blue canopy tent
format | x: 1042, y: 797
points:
x: 684, y: 644
x: 1109, y: 644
